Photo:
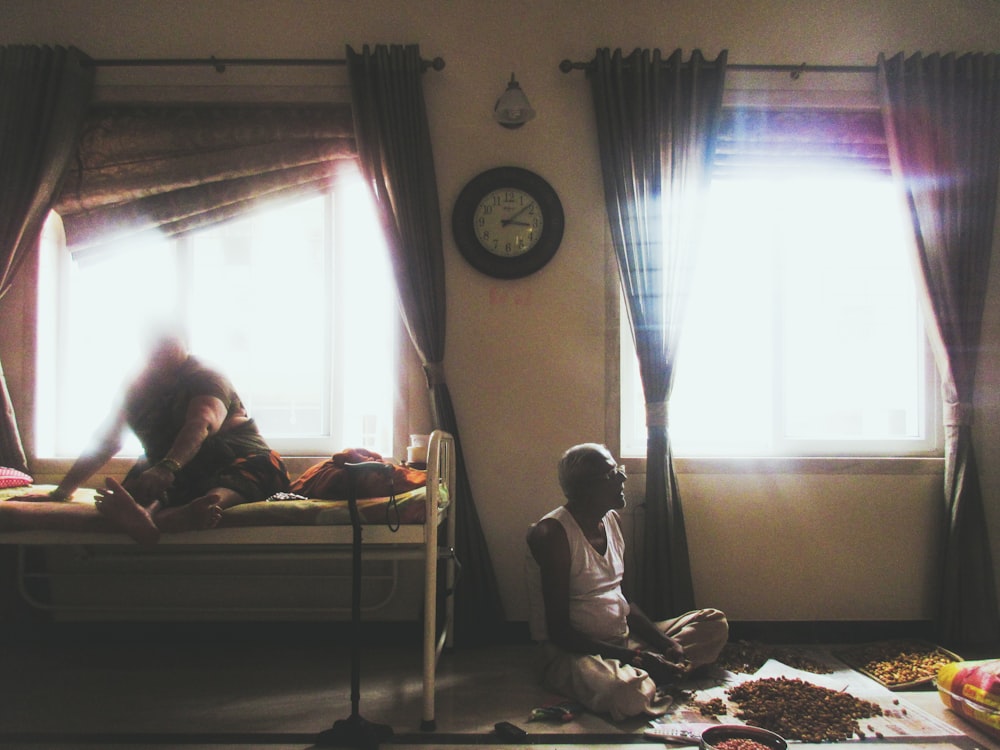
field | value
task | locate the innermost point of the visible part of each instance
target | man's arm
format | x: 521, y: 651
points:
x: 550, y: 548
x: 104, y: 446
x: 203, y: 418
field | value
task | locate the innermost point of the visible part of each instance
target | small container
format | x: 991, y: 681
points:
x: 714, y: 735
x: 416, y: 451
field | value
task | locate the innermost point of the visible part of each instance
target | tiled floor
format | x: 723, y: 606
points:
x: 280, y: 689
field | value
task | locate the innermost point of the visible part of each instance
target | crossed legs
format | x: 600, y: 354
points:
x: 608, y: 685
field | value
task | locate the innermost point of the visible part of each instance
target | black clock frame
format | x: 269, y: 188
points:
x: 462, y: 222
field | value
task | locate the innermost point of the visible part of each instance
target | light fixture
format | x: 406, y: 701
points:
x: 512, y: 109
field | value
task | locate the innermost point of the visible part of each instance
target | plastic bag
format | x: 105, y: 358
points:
x: 972, y: 690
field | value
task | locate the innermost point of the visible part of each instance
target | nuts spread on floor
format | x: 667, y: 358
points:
x: 899, y: 662
x: 747, y: 657
x: 798, y: 710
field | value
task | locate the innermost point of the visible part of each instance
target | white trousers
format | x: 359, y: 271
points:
x: 621, y: 690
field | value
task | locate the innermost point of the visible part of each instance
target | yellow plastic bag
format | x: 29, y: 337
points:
x: 972, y: 690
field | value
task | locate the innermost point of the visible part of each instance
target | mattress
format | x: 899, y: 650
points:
x: 286, y: 509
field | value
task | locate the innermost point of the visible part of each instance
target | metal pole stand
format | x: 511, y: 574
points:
x: 356, y: 731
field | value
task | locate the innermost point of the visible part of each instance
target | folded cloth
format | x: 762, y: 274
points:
x: 329, y: 480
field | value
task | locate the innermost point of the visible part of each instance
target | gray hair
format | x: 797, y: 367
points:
x: 580, y: 465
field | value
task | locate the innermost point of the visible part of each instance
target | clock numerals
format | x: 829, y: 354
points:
x: 507, y: 222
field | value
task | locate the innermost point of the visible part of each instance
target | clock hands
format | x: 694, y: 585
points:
x: 510, y: 219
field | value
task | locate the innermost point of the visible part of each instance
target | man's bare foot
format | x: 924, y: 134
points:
x: 120, y: 508
x: 201, y: 513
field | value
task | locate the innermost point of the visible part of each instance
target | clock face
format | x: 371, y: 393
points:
x: 508, y: 222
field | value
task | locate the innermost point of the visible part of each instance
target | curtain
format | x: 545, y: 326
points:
x: 942, y: 119
x: 176, y: 168
x: 657, y: 123
x: 394, y: 146
x: 44, y: 92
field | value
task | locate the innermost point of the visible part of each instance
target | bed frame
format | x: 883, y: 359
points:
x: 430, y: 542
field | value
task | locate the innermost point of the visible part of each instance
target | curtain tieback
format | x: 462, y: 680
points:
x: 959, y: 414
x: 434, y: 372
x: 656, y: 414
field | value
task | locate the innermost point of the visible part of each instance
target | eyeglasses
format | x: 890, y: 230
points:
x: 615, y: 473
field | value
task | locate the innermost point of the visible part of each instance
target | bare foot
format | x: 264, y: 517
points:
x: 201, y: 513
x: 119, y: 507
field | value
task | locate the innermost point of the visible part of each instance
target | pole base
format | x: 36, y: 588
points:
x: 355, y: 732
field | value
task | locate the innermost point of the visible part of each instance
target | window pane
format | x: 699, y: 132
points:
x: 803, y: 335
x: 87, y: 349
x: 852, y: 353
x: 258, y: 293
x: 307, y: 334
x: 367, y: 326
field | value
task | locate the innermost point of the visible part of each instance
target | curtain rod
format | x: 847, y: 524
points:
x: 793, y: 70
x: 220, y: 63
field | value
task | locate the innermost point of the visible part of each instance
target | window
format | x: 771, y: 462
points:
x: 803, y: 334
x: 294, y: 303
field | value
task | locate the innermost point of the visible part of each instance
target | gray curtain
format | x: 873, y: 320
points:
x: 395, y: 150
x: 44, y: 92
x: 942, y: 119
x: 657, y: 124
x: 176, y: 168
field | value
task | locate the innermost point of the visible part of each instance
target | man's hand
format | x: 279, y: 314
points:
x: 151, y: 484
x: 661, y: 668
x: 672, y: 650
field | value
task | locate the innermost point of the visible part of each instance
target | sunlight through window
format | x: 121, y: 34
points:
x: 294, y: 303
x: 803, y: 334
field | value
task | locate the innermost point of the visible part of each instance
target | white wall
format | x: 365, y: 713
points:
x: 526, y: 359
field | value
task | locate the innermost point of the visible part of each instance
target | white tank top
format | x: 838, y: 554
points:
x: 597, y: 606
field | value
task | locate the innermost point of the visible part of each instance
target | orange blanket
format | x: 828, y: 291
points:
x: 329, y: 480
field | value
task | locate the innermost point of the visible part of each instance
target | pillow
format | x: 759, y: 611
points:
x: 13, y: 478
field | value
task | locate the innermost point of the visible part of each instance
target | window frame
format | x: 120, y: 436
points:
x: 404, y: 360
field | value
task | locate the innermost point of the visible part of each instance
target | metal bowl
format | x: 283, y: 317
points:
x: 714, y: 735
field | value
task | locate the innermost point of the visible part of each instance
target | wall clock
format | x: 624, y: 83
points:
x: 508, y: 222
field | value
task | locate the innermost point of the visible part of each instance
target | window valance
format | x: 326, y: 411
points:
x: 752, y: 137
x: 178, y: 168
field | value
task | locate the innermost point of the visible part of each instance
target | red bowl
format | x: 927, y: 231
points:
x: 714, y: 735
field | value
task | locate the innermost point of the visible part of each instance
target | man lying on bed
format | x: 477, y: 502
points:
x: 203, y: 453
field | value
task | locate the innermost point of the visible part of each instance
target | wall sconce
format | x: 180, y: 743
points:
x: 512, y: 109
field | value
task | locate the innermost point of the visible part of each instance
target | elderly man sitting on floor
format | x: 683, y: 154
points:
x: 598, y: 648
